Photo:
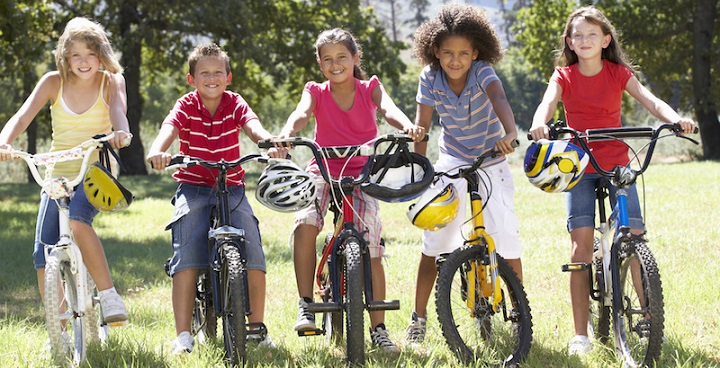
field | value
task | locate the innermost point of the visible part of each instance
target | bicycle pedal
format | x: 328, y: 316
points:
x: 574, y: 267
x: 377, y: 305
x: 118, y: 324
x: 314, y: 332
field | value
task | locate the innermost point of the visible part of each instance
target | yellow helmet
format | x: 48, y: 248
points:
x: 436, y: 208
x: 103, y: 191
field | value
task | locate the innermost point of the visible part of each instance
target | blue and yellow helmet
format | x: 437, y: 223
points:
x: 554, y: 166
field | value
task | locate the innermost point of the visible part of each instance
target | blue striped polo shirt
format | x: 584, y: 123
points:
x: 469, y: 123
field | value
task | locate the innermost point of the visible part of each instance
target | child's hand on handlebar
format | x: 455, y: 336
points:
x: 506, y: 144
x: 159, y: 160
x: 416, y: 132
x: 120, y: 139
x: 688, y: 126
x: 5, y: 156
x: 539, y: 132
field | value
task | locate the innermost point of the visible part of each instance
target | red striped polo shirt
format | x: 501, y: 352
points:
x: 211, y: 138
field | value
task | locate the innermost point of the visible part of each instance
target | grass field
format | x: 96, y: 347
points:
x: 682, y: 215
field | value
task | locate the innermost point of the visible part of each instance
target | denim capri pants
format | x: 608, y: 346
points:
x: 581, y: 201
x: 194, y: 204
x: 47, y: 228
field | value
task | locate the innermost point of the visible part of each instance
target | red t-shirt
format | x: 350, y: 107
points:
x: 595, y: 102
x: 336, y: 127
x: 210, y: 138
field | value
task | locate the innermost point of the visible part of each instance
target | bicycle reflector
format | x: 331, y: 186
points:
x: 554, y: 166
x: 436, y: 208
x: 103, y: 191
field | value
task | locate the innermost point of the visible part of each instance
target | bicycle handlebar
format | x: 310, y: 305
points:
x: 463, y: 172
x: 180, y: 161
x: 79, y: 152
x: 619, y: 133
x: 340, y: 151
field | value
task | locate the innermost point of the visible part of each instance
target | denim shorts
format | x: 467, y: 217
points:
x: 580, y: 202
x: 194, y: 204
x: 47, y: 228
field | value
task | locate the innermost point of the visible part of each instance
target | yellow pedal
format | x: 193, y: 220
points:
x: 573, y: 267
x: 118, y: 324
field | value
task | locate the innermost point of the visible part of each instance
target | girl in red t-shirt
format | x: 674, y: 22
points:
x: 592, y: 74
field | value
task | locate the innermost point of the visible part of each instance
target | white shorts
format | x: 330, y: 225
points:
x: 499, y: 214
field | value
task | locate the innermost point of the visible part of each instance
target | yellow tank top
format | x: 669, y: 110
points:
x: 70, y: 129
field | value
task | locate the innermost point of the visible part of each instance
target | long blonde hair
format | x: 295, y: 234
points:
x: 93, y: 34
x: 614, y: 52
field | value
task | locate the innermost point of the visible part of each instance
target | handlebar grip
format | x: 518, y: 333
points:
x: 265, y: 144
x: 515, y: 143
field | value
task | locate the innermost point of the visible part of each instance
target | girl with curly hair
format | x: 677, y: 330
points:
x: 458, y: 48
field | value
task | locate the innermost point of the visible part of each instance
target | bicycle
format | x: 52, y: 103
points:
x: 624, y: 276
x: 73, y: 313
x: 223, y: 291
x: 481, y: 304
x: 344, y: 270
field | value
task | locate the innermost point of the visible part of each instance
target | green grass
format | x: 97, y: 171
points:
x: 682, y: 212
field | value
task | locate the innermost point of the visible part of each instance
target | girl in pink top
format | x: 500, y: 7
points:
x: 344, y: 107
x: 593, y: 73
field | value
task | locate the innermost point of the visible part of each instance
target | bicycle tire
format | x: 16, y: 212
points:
x: 60, y: 307
x: 233, y: 299
x: 500, y: 338
x: 599, y: 312
x: 637, y: 337
x: 354, y: 305
x: 204, y: 320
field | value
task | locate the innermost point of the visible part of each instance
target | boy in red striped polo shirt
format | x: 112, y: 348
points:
x: 207, y: 122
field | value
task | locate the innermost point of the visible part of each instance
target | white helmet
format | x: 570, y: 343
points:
x: 284, y: 187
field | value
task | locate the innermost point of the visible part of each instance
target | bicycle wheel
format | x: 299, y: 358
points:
x: 66, y: 329
x: 233, y: 283
x: 638, y: 327
x: 354, y: 306
x: 204, y: 320
x: 470, y: 326
x: 599, y: 312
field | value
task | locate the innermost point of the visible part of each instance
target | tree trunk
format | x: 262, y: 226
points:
x: 705, y: 109
x: 133, y: 157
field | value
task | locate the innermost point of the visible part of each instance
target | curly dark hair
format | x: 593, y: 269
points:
x: 457, y: 19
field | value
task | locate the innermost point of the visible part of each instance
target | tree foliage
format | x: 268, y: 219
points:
x: 270, y: 44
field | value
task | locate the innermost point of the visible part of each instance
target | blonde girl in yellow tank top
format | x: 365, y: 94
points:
x: 87, y: 97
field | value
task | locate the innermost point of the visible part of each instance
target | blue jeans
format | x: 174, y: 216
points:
x: 47, y: 228
x: 194, y: 205
x: 580, y: 202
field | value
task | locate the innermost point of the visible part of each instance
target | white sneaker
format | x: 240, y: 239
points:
x: 113, y: 308
x: 415, y: 331
x: 184, y: 343
x: 306, y: 319
x: 579, y: 345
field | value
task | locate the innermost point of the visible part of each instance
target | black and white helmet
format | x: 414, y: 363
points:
x: 284, y: 187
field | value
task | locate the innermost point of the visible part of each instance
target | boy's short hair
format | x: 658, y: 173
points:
x: 210, y: 49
